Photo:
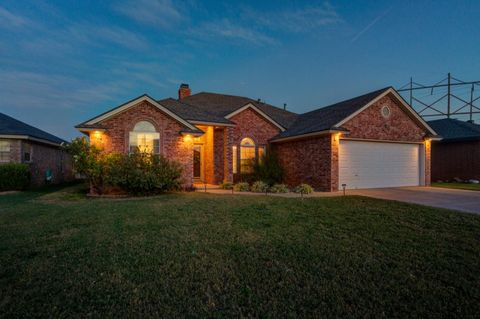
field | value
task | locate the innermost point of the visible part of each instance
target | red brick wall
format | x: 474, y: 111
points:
x: 251, y: 124
x: 428, y: 163
x: 313, y: 161
x: 455, y: 159
x: 172, y: 144
x: 218, y: 154
x: 370, y: 124
x: 228, y: 157
x: 44, y: 157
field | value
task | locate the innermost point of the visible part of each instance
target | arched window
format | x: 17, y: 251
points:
x: 247, y: 155
x: 144, y: 138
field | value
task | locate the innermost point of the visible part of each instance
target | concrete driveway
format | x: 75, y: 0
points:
x: 462, y: 200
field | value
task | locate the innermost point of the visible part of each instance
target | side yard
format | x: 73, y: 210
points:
x: 467, y: 186
x: 194, y: 254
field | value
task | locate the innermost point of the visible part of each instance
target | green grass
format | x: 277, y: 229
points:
x: 470, y: 187
x: 198, y: 255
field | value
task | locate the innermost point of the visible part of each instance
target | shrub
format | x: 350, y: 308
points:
x: 142, y: 173
x: 226, y: 185
x: 304, y: 189
x: 241, y: 187
x: 14, y: 177
x: 268, y: 169
x: 137, y: 173
x: 245, y: 178
x: 259, y: 187
x: 279, y: 188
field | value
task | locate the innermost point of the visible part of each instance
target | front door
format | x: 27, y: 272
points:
x: 198, y: 161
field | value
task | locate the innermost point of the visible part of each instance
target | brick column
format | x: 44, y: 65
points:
x: 227, y: 150
x: 428, y: 149
x: 218, y: 155
x: 334, y: 166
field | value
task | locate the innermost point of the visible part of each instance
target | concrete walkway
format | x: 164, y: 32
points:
x: 456, y: 199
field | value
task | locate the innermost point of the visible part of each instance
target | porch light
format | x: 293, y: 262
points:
x: 97, y: 136
x: 187, y: 138
x: 336, y: 136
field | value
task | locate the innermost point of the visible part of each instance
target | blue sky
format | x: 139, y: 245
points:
x: 62, y: 62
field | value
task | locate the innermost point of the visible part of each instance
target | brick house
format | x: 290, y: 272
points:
x: 375, y: 140
x: 457, y: 155
x: 43, y: 152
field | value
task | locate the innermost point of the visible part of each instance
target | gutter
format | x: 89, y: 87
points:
x: 332, y: 130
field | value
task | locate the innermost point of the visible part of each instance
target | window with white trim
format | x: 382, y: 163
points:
x: 385, y: 111
x: 144, y: 138
x: 247, y: 155
x: 4, y: 151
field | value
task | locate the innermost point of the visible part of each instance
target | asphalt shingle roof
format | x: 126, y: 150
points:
x: 213, y: 107
x: 455, y: 130
x: 221, y: 105
x: 11, y: 126
x: 192, y: 112
x: 325, y: 118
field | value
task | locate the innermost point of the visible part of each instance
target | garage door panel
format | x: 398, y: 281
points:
x: 372, y: 164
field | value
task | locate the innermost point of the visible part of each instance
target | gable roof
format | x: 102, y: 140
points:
x: 17, y: 129
x: 223, y: 105
x: 456, y: 130
x: 94, y: 123
x: 332, y: 117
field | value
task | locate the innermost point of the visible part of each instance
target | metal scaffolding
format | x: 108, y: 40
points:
x: 445, y: 98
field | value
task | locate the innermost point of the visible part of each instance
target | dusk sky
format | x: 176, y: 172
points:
x: 62, y: 62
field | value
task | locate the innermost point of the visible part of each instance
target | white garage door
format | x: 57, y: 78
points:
x: 375, y: 165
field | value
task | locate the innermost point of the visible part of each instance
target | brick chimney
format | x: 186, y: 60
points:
x: 183, y: 91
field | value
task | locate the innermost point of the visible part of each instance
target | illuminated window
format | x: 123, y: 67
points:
x: 234, y: 159
x: 247, y: 155
x: 144, y: 138
x: 4, y: 151
x: 261, y: 153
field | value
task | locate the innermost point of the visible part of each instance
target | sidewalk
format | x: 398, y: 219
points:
x: 218, y: 191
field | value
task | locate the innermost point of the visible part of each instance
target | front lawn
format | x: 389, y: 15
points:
x: 467, y: 186
x: 198, y: 255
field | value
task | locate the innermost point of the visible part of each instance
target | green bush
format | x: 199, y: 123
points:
x: 226, y: 185
x: 137, y: 173
x: 14, y: 177
x: 279, y: 188
x: 268, y: 169
x: 241, y: 187
x: 304, y: 189
x: 142, y: 173
x: 259, y: 187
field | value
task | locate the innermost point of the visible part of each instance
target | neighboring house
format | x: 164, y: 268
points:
x: 43, y: 152
x: 458, y: 154
x: 375, y: 140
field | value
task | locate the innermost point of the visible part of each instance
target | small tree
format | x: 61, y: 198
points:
x: 268, y: 169
x: 88, y: 161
